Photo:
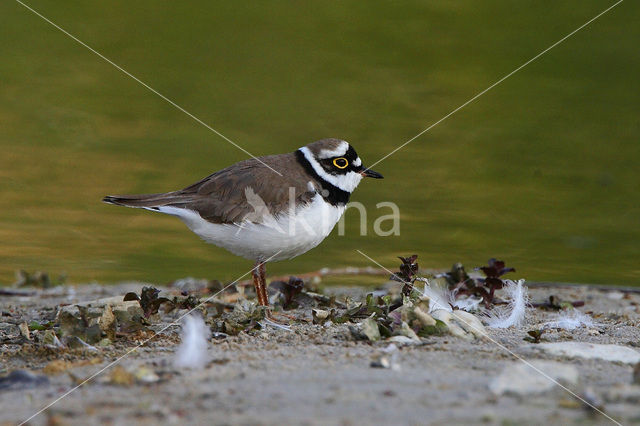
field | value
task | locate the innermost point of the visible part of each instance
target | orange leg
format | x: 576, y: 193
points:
x: 263, y: 277
x: 260, y: 283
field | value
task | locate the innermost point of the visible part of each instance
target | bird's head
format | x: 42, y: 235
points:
x: 337, y: 162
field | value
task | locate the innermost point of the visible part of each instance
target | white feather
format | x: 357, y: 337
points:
x: 439, y: 297
x: 514, y: 314
x: 468, y: 304
x: 570, y: 320
x: 443, y: 298
x: 192, y: 352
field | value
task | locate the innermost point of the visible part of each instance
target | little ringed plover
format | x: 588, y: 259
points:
x: 260, y: 215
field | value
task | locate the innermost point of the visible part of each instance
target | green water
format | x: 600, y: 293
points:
x: 541, y: 171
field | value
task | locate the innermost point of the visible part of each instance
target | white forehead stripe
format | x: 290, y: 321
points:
x: 347, y: 182
x: 357, y: 162
x: 341, y: 150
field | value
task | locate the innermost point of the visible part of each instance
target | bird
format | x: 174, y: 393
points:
x: 269, y: 208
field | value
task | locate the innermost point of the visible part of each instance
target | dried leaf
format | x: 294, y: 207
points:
x: 371, y: 330
x: 107, y: 323
x: 321, y: 316
x: 24, y: 330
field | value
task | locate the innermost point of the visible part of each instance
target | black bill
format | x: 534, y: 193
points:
x: 370, y: 173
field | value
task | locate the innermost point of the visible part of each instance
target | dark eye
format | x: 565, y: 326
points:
x: 340, y: 163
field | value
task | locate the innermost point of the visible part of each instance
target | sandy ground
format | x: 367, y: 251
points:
x: 319, y: 374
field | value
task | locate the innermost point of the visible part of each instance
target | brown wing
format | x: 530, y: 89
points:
x: 235, y: 193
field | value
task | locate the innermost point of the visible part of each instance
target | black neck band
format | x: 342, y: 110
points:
x: 331, y: 193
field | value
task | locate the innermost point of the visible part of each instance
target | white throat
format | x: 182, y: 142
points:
x: 347, y: 182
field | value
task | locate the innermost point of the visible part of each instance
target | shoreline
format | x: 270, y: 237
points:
x: 320, y: 374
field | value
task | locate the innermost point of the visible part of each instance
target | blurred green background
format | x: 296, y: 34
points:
x: 541, y: 171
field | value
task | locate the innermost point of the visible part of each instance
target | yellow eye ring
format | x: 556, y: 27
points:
x: 340, y: 163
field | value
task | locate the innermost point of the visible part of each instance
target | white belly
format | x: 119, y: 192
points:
x: 283, y: 237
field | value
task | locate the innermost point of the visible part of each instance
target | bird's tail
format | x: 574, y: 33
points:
x: 146, y: 201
